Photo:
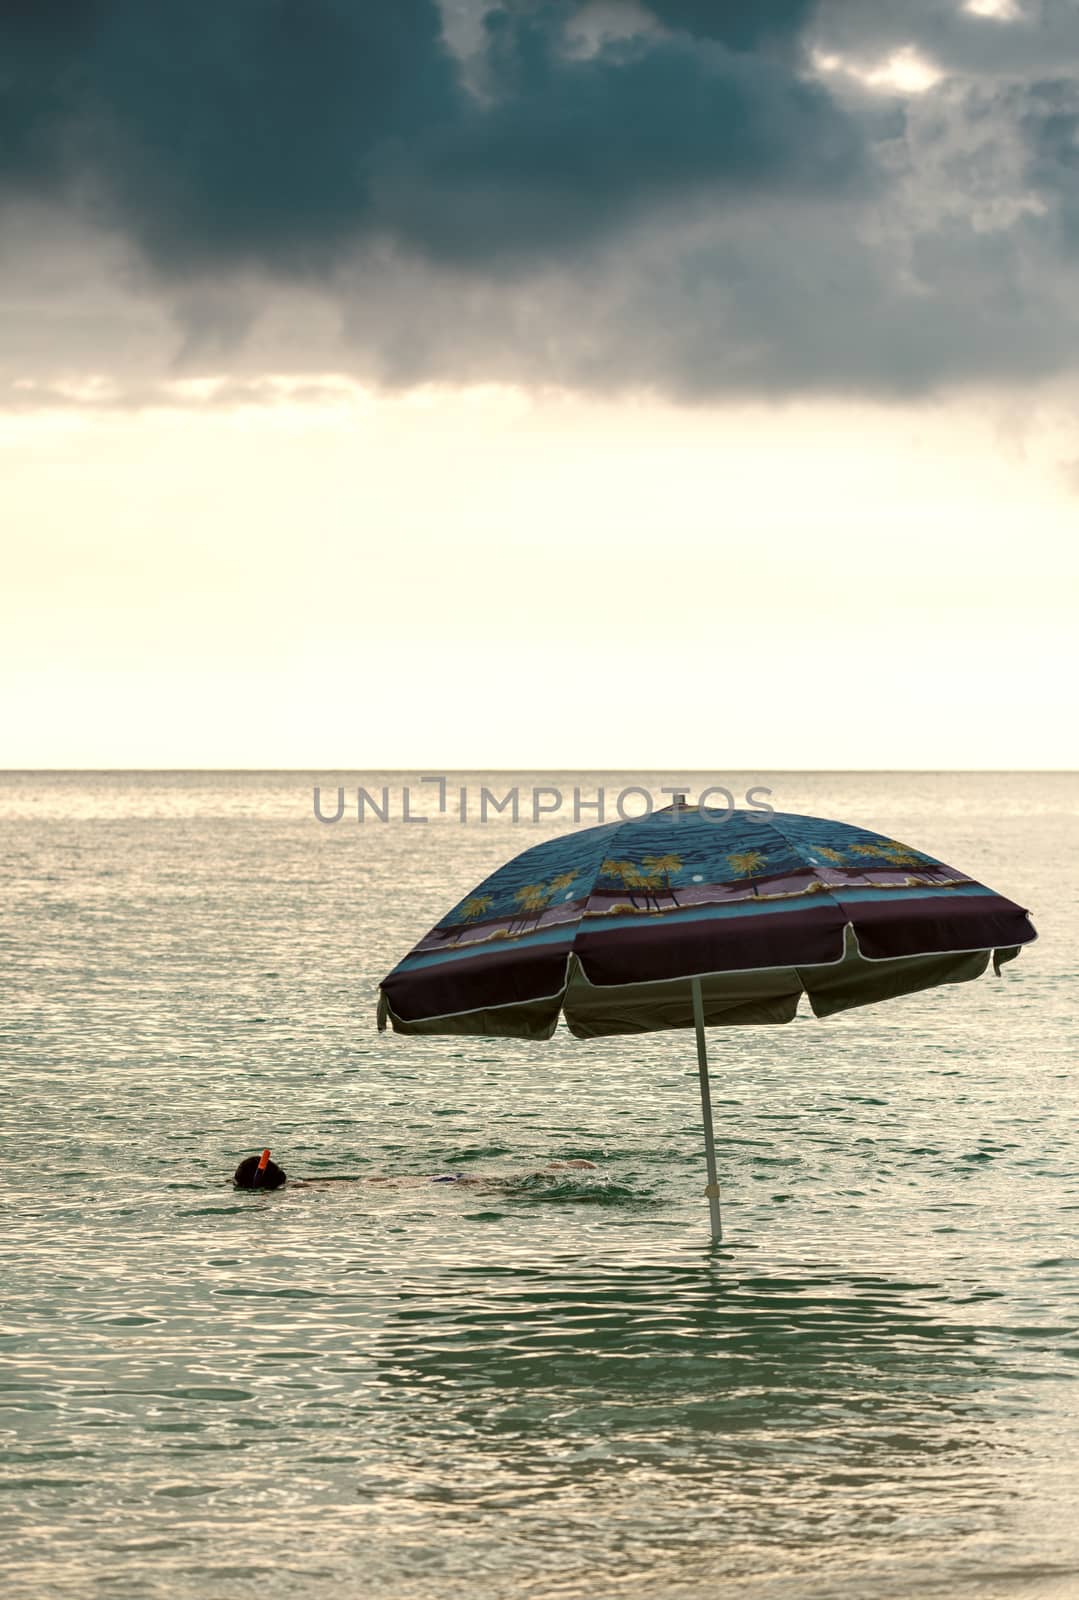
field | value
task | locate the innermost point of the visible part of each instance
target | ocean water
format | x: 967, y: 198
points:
x: 556, y: 1389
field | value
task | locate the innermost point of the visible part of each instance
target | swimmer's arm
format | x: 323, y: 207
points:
x: 320, y: 1183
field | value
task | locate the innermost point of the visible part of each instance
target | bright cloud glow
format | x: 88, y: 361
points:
x: 998, y: 10
x: 904, y: 72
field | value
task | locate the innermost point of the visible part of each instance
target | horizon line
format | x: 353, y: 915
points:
x: 518, y: 771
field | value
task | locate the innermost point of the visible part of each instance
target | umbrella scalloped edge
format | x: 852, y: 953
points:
x: 750, y: 996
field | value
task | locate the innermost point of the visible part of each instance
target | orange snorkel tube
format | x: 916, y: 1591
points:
x: 263, y: 1163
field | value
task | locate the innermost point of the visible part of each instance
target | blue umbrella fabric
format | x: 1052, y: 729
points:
x: 618, y: 927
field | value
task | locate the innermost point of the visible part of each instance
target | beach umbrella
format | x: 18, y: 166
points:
x: 692, y: 918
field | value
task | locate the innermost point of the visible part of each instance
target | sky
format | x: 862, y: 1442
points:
x: 621, y: 384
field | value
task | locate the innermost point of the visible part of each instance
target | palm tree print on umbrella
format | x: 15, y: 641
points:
x: 646, y: 884
x: 621, y: 871
x: 533, y: 901
x: 904, y: 856
x: 894, y: 854
x: 747, y: 864
x: 638, y: 885
x: 899, y: 855
x: 887, y: 848
x: 665, y: 867
x: 472, y: 909
x: 834, y: 858
x: 536, y: 898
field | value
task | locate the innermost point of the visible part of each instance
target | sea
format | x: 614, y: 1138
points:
x: 554, y: 1385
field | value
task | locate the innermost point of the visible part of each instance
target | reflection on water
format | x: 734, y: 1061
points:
x: 384, y: 1390
x: 658, y: 1407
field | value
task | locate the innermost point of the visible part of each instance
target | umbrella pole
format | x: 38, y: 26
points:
x: 712, y: 1190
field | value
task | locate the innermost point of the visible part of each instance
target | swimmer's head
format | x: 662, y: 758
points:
x: 259, y: 1172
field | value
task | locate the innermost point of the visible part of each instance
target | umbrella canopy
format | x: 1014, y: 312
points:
x: 606, y: 925
x: 689, y: 917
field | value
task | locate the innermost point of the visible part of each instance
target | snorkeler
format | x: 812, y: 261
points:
x: 260, y: 1172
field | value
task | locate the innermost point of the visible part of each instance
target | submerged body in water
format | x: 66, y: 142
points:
x: 261, y: 1172
x: 491, y: 1180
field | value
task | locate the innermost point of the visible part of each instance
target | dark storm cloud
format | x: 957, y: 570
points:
x: 1049, y: 124
x: 277, y: 133
x: 571, y: 148
x: 223, y: 130
x: 735, y: 23
x: 688, y: 201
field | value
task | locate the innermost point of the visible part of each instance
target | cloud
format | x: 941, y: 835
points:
x: 572, y: 149
x: 279, y: 133
x: 222, y: 135
x: 1032, y: 37
x: 765, y: 24
x: 668, y: 194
